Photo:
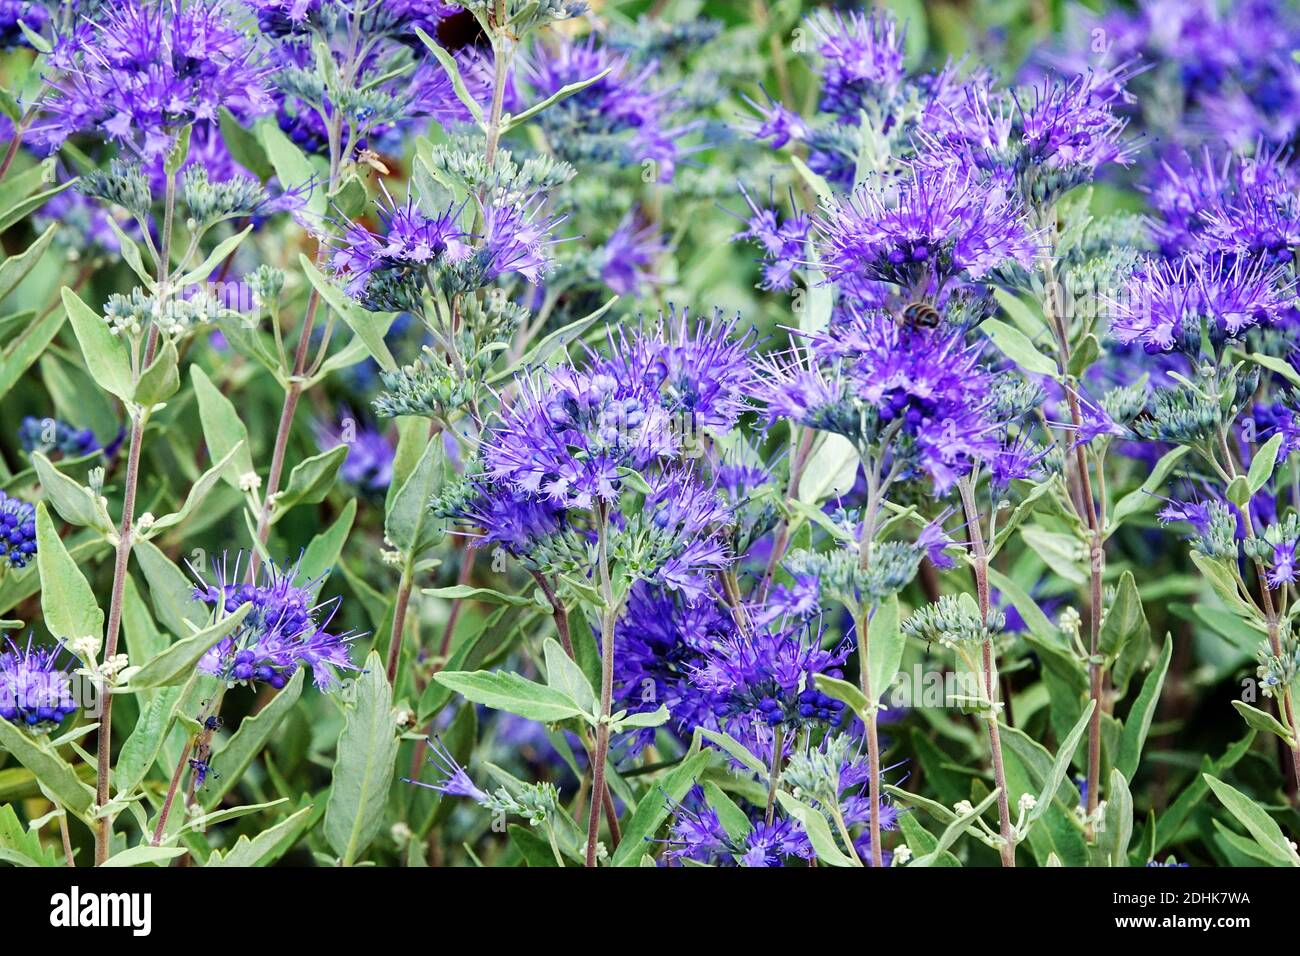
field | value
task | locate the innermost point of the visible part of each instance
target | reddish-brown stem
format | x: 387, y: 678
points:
x: 172, y: 788
x: 980, y: 565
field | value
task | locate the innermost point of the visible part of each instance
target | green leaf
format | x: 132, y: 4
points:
x: 552, y: 343
x: 510, y: 121
x: 1263, y: 463
x: 1124, y: 617
x: 1260, y: 825
x: 464, y: 592
x: 220, y: 252
x: 176, y: 662
x: 736, y: 749
x: 1143, y: 711
x: 1145, y: 497
x: 1264, y: 721
x: 408, y: 511
x: 67, y: 602
x: 267, y: 846
x: 230, y: 762
x: 818, y: 184
x: 655, y: 806
x: 733, y: 819
x: 292, y: 167
x: 74, y: 502
x: 16, y: 268
x: 1084, y: 355
x: 506, y: 690
x: 564, y: 675
x: 54, y: 773
x: 222, y: 429
x: 369, y: 327
x: 311, y: 479
x: 145, y: 855
x: 1018, y: 347
x: 19, y: 354
x: 1118, y: 820
x: 1061, y: 764
x: 818, y: 830
x: 831, y: 470
x: 161, y: 379
x: 885, y: 643
x: 323, y: 552
x: 245, y: 148
x: 1239, y: 491
x: 845, y: 691
x: 25, y: 207
x: 363, y: 770
x: 955, y: 830
x: 453, y: 73
x: 105, y: 353
x: 170, y: 591
x: 198, y: 491
x: 145, y: 743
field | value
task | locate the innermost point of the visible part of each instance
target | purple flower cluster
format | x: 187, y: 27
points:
x: 927, y: 228
x: 286, y: 628
x: 700, y: 369
x: 35, y: 690
x: 768, y: 677
x: 143, y: 69
x: 569, y: 433
x: 17, y: 531
x: 623, y: 116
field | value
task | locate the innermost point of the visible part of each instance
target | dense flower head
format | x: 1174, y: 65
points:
x: 924, y: 389
x: 286, y: 628
x: 48, y: 435
x: 17, y: 531
x: 377, y: 267
x: 1217, y: 71
x: 1165, y: 305
x: 659, y: 640
x: 679, y: 545
x: 862, y: 59
x: 517, y: 239
x: 928, y: 227
x: 622, y: 116
x: 769, y: 677
x: 698, y: 835
x: 35, y: 689
x: 783, y: 242
x: 700, y: 368
x: 1043, y: 140
x: 143, y: 70
x: 568, y: 433
x: 1236, y: 205
x: 519, y: 522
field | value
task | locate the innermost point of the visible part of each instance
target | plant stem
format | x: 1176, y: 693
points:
x: 981, y: 567
x: 104, y: 746
x: 774, y: 775
x: 399, y: 621
x: 607, y: 618
x: 1097, y: 552
x: 66, y: 838
x: 287, y: 412
x: 172, y: 788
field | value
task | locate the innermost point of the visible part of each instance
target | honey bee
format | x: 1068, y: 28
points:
x: 919, y: 315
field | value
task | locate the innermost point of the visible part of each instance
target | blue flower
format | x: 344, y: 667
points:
x: 35, y: 691
x: 285, y: 628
